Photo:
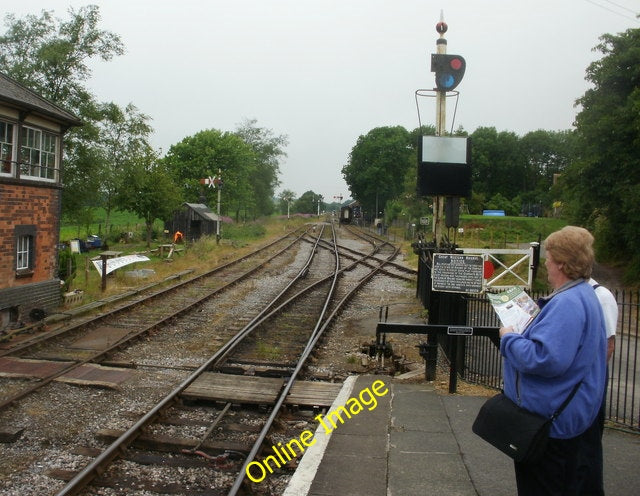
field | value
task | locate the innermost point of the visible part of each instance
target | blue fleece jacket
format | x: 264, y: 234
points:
x: 565, y: 344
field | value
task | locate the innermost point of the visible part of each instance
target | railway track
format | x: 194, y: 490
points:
x: 136, y: 317
x: 219, y: 446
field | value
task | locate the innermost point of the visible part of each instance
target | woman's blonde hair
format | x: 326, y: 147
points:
x: 572, y: 247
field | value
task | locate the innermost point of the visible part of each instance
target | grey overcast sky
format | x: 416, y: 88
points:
x: 324, y: 72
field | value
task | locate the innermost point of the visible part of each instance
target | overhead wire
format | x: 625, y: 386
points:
x: 593, y: 2
x: 621, y: 6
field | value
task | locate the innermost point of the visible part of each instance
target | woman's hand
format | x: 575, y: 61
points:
x: 506, y: 330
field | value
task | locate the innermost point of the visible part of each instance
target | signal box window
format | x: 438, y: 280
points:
x: 38, y: 154
x: 6, y: 148
x: 25, y: 249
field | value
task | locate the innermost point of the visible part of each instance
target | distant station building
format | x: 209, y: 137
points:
x: 193, y: 220
x: 31, y: 132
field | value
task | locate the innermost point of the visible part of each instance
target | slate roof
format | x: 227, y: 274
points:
x: 15, y: 94
x: 204, y: 211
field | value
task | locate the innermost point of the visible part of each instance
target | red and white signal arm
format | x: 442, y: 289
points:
x: 209, y: 181
x: 212, y: 182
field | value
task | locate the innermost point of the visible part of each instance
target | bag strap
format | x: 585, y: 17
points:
x: 566, y: 402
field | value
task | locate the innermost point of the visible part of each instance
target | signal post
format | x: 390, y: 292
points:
x: 444, y: 273
x: 441, y: 124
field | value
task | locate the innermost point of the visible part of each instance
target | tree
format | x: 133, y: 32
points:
x: 547, y: 155
x: 204, y: 154
x: 377, y: 166
x: 602, y: 187
x: 123, y: 133
x: 268, y: 150
x: 307, y: 203
x: 498, y: 164
x: 149, y: 190
x: 286, y: 197
x: 51, y: 56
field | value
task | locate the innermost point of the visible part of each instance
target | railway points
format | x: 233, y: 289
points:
x: 188, y: 438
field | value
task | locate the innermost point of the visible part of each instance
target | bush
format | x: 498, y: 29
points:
x: 66, y: 267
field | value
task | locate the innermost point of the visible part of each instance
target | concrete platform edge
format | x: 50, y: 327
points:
x: 304, y: 475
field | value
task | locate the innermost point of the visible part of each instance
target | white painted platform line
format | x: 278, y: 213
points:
x: 304, y: 475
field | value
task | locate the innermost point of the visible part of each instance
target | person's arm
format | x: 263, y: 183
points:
x: 611, y: 345
x: 549, y: 345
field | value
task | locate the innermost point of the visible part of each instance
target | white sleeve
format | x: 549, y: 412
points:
x: 609, y: 309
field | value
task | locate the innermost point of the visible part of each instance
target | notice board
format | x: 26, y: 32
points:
x: 457, y: 273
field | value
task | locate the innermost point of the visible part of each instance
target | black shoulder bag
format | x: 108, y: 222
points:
x: 519, y: 433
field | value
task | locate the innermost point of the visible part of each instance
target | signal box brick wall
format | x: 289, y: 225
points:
x: 25, y: 204
x: 31, y: 134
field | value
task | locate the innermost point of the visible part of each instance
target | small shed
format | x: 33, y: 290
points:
x: 194, y: 220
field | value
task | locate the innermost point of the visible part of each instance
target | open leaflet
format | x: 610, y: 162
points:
x: 514, y: 307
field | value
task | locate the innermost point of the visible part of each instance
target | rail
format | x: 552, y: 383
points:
x: 323, y: 321
x: 99, y: 355
x: 97, y: 466
x: 322, y: 324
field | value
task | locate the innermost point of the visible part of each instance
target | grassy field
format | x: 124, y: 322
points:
x: 119, y: 222
x: 237, y: 239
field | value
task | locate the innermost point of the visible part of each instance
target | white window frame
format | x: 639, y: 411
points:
x: 23, y: 251
x: 38, y: 149
x: 7, y: 148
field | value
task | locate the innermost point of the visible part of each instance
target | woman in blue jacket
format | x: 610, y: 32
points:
x: 563, y: 346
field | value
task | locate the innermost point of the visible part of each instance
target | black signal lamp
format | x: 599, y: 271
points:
x: 449, y: 70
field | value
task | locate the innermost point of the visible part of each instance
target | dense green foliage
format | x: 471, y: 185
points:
x: 602, y: 185
x: 268, y: 149
x: 208, y: 154
x: 51, y: 56
x: 149, y: 191
x: 308, y: 203
x: 509, y: 172
x: 245, y: 160
x: 377, y: 166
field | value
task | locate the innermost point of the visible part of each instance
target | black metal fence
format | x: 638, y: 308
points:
x: 483, y: 364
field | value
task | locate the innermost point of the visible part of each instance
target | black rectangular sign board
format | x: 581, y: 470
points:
x: 456, y: 273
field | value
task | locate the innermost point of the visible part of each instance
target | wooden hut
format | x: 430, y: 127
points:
x: 193, y: 220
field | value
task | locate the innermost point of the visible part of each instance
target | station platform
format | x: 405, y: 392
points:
x: 417, y: 441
